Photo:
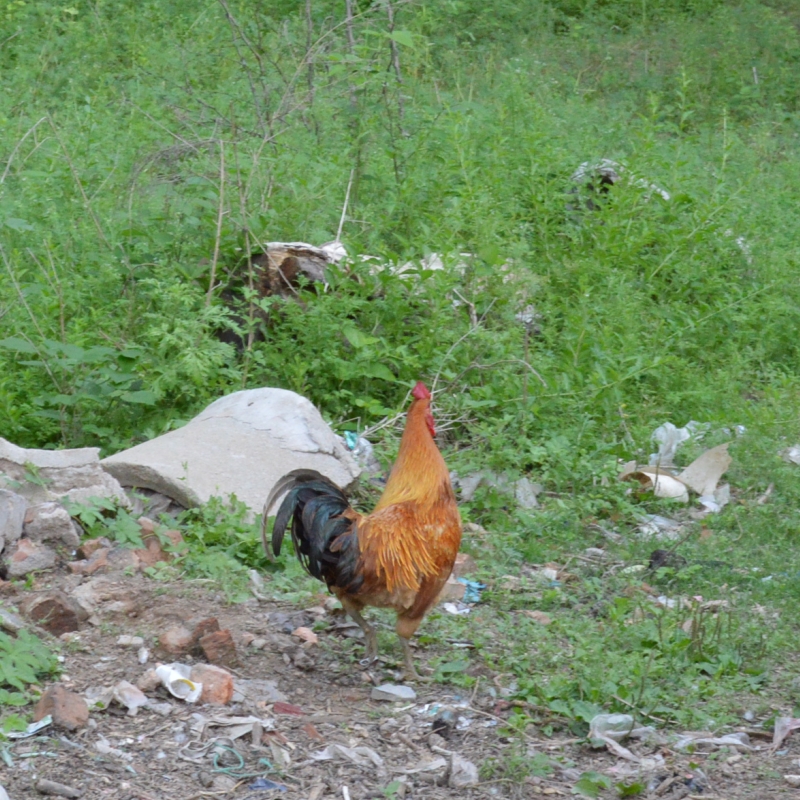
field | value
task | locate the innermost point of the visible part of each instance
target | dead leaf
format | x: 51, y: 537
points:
x: 703, y: 474
x: 288, y: 708
x: 312, y: 732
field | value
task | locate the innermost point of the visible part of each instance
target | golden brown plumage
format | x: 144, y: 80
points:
x: 401, y: 554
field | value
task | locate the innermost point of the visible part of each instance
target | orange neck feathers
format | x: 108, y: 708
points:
x: 419, y: 473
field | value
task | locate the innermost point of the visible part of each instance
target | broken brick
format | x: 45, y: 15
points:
x: 218, y: 648
x: 68, y: 710
x: 203, y: 628
x: 176, y: 641
x: 217, y: 683
x: 53, y: 611
x: 464, y: 565
x: 97, y: 560
x: 91, y: 545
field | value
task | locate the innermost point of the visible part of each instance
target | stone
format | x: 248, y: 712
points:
x: 219, y: 648
x: 149, y: 556
x: 46, y: 786
x: 393, y: 692
x: 88, y: 547
x: 104, y: 595
x: 69, y: 710
x: 452, y: 591
x: 148, y: 681
x: 217, y: 683
x: 97, y: 561
x: 463, y: 773
x: 121, y: 559
x: 9, y: 621
x: 464, y: 565
x: 73, y: 474
x: 12, y: 517
x: 241, y: 444
x: 130, y: 641
x: 53, y: 611
x: 27, y: 557
x: 50, y: 522
x: 176, y: 641
x: 204, y: 627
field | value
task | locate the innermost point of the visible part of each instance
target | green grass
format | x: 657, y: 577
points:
x: 147, y: 147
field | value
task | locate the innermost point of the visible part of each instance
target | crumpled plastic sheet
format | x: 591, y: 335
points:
x: 783, y: 727
x: 611, y: 729
x: 361, y: 756
x: 738, y: 741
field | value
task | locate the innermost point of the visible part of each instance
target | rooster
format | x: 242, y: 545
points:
x: 400, y: 555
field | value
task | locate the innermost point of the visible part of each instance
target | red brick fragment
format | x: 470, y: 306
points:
x: 69, y: 710
x: 219, y: 648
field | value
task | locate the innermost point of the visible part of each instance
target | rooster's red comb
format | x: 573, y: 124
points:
x: 420, y: 391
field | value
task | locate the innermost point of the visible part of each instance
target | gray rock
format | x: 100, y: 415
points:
x: 26, y: 557
x: 241, y: 444
x: 9, y: 621
x: 50, y: 522
x: 391, y: 691
x: 12, y: 517
x: 45, y: 475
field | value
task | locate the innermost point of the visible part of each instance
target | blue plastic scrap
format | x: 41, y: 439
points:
x: 265, y: 783
x: 351, y: 439
x: 472, y: 594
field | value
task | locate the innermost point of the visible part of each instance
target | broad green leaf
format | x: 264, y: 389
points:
x: 380, y: 371
x: 405, y: 38
x: 17, y: 345
x: 143, y: 397
x: 17, y: 224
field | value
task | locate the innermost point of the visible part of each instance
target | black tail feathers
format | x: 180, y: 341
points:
x: 312, y: 510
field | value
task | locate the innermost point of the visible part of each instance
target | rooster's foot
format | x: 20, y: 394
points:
x: 411, y: 674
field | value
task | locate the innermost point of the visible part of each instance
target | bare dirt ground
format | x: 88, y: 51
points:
x: 326, y: 701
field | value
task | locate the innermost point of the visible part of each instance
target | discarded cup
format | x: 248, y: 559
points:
x: 175, y: 678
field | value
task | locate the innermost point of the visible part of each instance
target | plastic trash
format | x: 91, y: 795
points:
x: 738, y: 741
x: 618, y: 727
x: 783, y: 727
x: 32, y: 729
x: 457, y: 609
x: 265, y: 783
x: 654, y: 526
x: 393, y: 692
x: 473, y: 591
x: 175, y: 678
x: 669, y: 439
x: 361, y: 756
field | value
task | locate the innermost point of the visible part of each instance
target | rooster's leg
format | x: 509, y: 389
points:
x: 369, y: 632
x: 408, y: 659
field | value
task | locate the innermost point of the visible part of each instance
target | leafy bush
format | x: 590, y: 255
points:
x: 24, y: 660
